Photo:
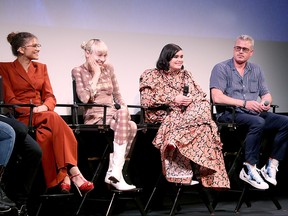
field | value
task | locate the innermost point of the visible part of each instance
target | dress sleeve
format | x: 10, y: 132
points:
x: 117, y: 97
x: 83, y: 88
x: 150, y: 94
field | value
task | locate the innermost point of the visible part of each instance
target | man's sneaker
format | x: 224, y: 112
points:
x: 269, y: 172
x: 250, y: 174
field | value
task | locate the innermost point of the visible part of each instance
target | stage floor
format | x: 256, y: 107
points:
x: 261, y: 207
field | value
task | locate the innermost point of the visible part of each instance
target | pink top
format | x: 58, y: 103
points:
x: 106, y: 91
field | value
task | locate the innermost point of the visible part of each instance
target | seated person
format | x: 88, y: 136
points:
x: 96, y: 83
x: 241, y: 83
x: 7, y: 139
x: 26, y: 168
x: 27, y: 81
x: 187, y: 134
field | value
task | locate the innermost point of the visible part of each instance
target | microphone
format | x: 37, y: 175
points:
x: 266, y: 103
x: 117, y: 106
x: 185, y: 93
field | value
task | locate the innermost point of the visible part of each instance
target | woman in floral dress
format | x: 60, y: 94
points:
x: 187, y: 134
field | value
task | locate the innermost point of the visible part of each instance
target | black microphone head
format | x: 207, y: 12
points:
x: 117, y: 106
x: 185, y: 93
x: 186, y: 89
x: 266, y: 103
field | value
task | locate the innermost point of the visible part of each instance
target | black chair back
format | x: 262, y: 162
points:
x: 1, y: 91
x: 75, y: 96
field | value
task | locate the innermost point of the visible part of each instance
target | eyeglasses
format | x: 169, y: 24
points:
x: 33, y: 45
x: 244, y: 49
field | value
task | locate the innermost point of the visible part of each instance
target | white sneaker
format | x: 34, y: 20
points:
x: 269, y: 172
x: 250, y: 174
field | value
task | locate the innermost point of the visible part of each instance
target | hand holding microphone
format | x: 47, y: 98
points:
x: 117, y: 106
x: 266, y: 103
x: 185, y: 93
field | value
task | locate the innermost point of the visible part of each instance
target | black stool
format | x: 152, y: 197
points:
x: 181, y: 188
x: 246, y: 194
x: 233, y: 136
x: 126, y: 195
x: 55, y: 198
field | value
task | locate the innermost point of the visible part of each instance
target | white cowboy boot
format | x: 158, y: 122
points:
x: 108, y: 173
x: 117, y: 161
x: 115, y: 177
x: 122, y: 185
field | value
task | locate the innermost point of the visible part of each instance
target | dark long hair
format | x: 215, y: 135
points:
x: 167, y: 53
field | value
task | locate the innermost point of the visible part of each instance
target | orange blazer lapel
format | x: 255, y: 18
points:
x: 22, y: 73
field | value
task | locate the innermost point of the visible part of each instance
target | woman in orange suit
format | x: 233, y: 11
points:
x: 26, y: 81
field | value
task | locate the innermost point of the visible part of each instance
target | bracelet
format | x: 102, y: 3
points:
x: 244, y: 104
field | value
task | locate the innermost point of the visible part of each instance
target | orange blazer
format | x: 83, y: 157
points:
x: 25, y: 88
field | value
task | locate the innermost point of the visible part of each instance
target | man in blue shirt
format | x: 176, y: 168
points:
x: 242, y: 84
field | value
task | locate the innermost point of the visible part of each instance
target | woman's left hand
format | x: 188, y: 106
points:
x: 41, y: 108
x: 182, y: 100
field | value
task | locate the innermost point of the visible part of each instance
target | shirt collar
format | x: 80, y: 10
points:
x: 231, y: 64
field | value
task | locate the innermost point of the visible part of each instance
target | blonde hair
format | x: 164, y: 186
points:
x: 94, y: 45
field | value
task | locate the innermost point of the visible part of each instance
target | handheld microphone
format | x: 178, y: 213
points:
x: 266, y: 103
x: 185, y: 93
x: 117, y: 106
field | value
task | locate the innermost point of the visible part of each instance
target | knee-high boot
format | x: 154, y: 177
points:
x: 108, y: 173
x: 115, y: 177
x: 4, y: 200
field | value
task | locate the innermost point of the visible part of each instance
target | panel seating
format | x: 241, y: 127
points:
x: 179, y: 190
x: 10, y: 110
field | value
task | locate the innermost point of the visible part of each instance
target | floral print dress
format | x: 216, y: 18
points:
x: 192, y: 134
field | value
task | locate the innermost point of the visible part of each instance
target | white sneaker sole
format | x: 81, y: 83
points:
x: 263, y: 187
x: 267, y: 178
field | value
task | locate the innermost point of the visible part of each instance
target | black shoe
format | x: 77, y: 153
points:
x: 5, y: 200
x: 22, y: 210
x: 4, y: 208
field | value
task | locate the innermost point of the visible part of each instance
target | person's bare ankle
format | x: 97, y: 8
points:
x: 74, y: 171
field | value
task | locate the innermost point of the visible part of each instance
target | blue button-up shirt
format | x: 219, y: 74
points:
x: 251, y: 86
x: 226, y: 78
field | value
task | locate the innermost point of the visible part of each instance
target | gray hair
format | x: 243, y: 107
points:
x: 246, y: 38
